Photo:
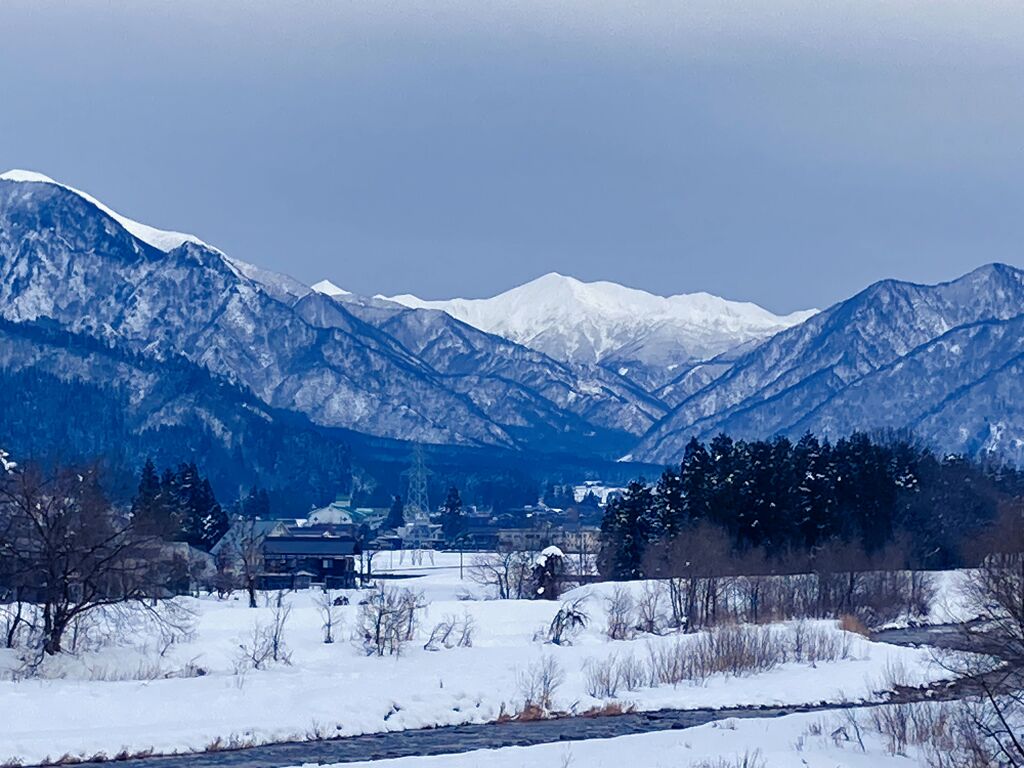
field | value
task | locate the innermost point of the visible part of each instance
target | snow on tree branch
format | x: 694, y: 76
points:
x: 5, y: 461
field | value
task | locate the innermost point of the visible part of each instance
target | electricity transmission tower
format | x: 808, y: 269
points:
x: 417, y: 506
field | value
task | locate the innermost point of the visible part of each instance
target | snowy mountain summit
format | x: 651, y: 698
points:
x: 328, y: 288
x: 615, y: 326
x: 161, y: 239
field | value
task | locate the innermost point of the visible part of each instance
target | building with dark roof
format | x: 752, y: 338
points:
x: 327, y: 560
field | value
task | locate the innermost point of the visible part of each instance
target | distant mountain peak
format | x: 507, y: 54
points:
x: 330, y: 289
x: 161, y: 239
x: 608, y: 323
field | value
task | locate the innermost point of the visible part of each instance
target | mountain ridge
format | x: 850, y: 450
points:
x: 629, y: 330
x: 943, y: 360
x: 67, y: 257
x: 785, y: 386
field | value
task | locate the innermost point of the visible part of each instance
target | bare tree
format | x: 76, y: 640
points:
x: 694, y: 563
x: 248, y: 550
x: 388, y: 619
x: 508, y: 573
x: 225, y: 578
x: 648, y: 608
x: 368, y: 550
x: 619, y: 607
x: 14, y: 618
x: 330, y: 614
x: 279, y: 619
x: 70, y: 551
x: 411, y: 603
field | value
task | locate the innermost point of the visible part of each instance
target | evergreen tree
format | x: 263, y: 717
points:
x: 625, y: 532
x: 199, y: 519
x: 863, y: 494
x: 558, y: 496
x: 256, y: 504
x: 184, y: 492
x: 695, y: 481
x: 396, y: 515
x: 547, y: 575
x: 814, y: 492
x: 669, y: 506
x: 453, y: 519
x: 725, y: 485
x: 211, y: 518
x: 150, y: 512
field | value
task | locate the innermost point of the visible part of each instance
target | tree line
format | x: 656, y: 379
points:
x: 777, y: 499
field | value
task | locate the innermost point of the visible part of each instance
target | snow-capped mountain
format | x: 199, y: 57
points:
x: 941, y: 361
x: 330, y: 289
x: 160, y: 239
x: 508, y: 380
x: 542, y: 367
x: 639, y: 334
x: 69, y: 260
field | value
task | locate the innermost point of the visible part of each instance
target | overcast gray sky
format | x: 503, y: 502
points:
x: 787, y: 152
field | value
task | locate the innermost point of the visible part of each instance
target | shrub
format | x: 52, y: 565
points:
x: 388, y: 619
x: 746, y: 760
x: 451, y: 632
x: 740, y: 650
x: 811, y: 644
x: 266, y: 643
x: 601, y: 677
x: 570, y: 620
x: 850, y: 623
x: 620, y: 610
x: 631, y: 673
x: 539, y: 683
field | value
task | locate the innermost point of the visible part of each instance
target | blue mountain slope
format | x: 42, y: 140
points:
x: 64, y: 259
x: 453, y: 348
x: 882, y: 358
x: 415, y: 375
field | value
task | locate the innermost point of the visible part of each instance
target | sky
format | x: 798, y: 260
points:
x: 788, y: 152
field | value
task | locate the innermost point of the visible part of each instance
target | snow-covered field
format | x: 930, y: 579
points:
x: 90, y: 704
